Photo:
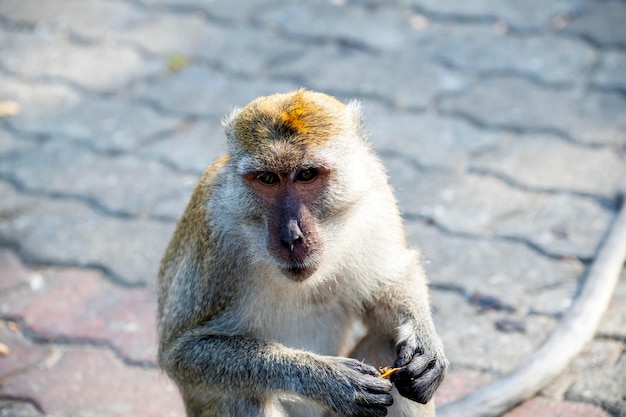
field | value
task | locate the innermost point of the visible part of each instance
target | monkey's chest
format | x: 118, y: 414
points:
x: 318, y: 330
x: 316, y: 327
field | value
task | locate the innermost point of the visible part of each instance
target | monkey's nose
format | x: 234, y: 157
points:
x: 291, y: 234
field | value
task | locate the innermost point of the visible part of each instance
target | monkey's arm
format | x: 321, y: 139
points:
x: 239, y: 367
x: 402, y: 312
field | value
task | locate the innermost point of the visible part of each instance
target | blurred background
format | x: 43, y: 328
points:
x: 502, y: 125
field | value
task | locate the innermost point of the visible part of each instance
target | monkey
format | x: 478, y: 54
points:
x: 289, y: 281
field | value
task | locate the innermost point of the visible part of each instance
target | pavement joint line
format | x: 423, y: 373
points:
x: 615, y: 89
x: 24, y: 400
x: 34, y: 260
x: 484, y: 20
x: 339, y: 41
x: 77, y: 87
x: 600, y: 45
x: 512, y: 28
x: 158, y: 108
x: 535, y: 247
x: 39, y: 137
x: 451, y: 288
x: 611, y: 337
x: 454, y: 17
x: 509, y: 73
x: 91, y: 202
x: 16, y: 25
x: 69, y: 341
x: 66, y: 341
x: 613, y: 410
x: 603, y: 201
x: 521, y: 130
x: 82, y: 141
x: 414, y: 163
x: 385, y: 101
x: 183, y: 9
x: 163, y: 160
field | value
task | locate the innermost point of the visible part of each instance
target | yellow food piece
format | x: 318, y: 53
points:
x: 387, y: 371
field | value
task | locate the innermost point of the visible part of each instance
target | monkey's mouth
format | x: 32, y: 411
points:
x: 298, y: 271
x: 297, y: 262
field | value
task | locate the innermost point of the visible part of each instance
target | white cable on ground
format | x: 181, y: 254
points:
x: 573, y: 332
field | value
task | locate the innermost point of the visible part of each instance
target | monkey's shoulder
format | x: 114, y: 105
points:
x: 192, y: 238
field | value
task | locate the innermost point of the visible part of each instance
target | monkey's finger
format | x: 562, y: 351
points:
x: 385, y: 399
x: 405, y: 353
x: 377, y: 411
x: 422, y: 388
x: 376, y: 403
x: 418, y: 365
x: 377, y: 385
x: 362, y: 367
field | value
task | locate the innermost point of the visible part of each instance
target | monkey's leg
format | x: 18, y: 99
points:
x: 234, y: 407
x: 376, y: 351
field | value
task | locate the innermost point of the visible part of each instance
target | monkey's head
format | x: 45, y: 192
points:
x: 290, y: 154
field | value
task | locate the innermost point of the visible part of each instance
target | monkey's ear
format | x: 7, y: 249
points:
x: 354, y: 114
x: 229, y: 121
x: 354, y: 110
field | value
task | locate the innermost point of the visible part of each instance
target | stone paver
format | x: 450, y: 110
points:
x: 541, y: 162
x: 526, y: 15
x: 501, y: 124
x: 604, y: 387
x: 588, y: 116
x: 424, y: 80
x: 93, y: 311
x: 457, y: 203
x: 179, y: 93
x: 41, y: 55
x: 192, y: 148
x: 18, y: 409
x: 610, y: 73
x: 22, y: 356
x: 437, y: 141
x: 91, y: 19
x: 69, y: 232
x: 541, y: 407
x: 88, y: 381
x: 55, y: 111
x: 488, y: 51
x: 600, y: 24
x: 57, y: 169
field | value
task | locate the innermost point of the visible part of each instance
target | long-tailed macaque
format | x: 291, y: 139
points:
x: 290, y: 242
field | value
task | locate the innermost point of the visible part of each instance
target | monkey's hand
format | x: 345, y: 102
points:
x: 355, y: 389
x: 423, y: 367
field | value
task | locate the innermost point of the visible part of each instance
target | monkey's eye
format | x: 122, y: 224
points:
x: 268, y: 178
x: 306, y: 175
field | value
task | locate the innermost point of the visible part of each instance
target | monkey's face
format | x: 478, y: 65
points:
x: 294, y: 238
x: 286, y: 147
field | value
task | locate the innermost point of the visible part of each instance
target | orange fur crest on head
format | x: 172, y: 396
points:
x: 302, y: 118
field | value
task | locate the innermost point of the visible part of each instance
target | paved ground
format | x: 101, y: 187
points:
x: 502, y: 124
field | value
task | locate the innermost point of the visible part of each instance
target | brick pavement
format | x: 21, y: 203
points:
x: 502, y: 124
